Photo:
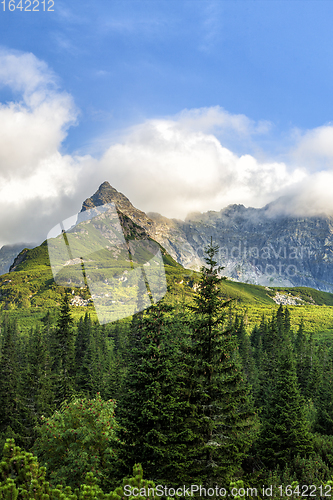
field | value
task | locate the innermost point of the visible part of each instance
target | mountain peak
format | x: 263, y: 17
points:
x: 106, y: 194
x: 105, y: 184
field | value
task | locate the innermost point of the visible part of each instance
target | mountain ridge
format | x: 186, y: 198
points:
x: 256, y: 245
x: 108, y: 194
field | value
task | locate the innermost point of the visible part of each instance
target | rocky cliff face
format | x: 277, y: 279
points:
x: 8, y: 254
x: 255, y: 246
x: 168, y: 232
x: 260, y: 249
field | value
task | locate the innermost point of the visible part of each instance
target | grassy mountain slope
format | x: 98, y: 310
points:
x: 29, y: 290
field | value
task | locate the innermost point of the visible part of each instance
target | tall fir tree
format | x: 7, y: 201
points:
x: 284, y: 432
x: 246, y: 354
x: 12, y: 414
x: 86, y: 358
x: 305, y: 366
x: 324, y: 400
x: 39, y: 395
x: 223, y: 427
x: 63, y: 353
x: 118, y: 358
x: 154, y: 407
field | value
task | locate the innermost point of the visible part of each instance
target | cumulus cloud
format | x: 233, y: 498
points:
x: 314, y: 148
x: 309, y: 198
x: 171, y: 167
x: 215, y: 119
x: 35, y: 178
x: 24, y: 73
x: 174, y: 165
x: 312, y: 153
x: 33, y: 127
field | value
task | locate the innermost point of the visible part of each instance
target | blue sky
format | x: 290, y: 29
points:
x: 181, y: 105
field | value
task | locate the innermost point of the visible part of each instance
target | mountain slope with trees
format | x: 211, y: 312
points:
x: 200, y: 396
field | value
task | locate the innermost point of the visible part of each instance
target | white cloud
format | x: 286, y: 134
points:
x: 314, y: 148
x: 311, y: 197
x: 216, y: 119
x: 33, y: 172
x: 23, y: 72
x: 312, y: 153
x: 173, y: 166
x: 33, y: 128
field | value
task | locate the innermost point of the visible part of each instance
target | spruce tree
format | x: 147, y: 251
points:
x: 8, y: 377
x: 11, y: 408
x: 324, y: 401
x: 255, y: 339
x: 86, y: 358
x: 304, y: 353
x: 39, y: 395
x: 269, y: 342
x: 103, y: 361
x: 223, y: 427
x: 246, y: 353
x: 284, y: 433
x: 117, y: 360
x: 63, y: 353
x: 154, y: 407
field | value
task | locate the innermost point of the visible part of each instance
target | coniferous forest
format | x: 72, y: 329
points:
x: 177, y: 395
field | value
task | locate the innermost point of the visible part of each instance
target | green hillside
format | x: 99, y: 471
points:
x: 29, y: 291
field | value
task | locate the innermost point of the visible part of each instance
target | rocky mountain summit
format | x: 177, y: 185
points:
x: 258, y: 246
x: 108, y: 194
x: 167, y: 232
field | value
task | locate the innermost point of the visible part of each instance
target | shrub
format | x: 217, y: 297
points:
x: 81, y: 438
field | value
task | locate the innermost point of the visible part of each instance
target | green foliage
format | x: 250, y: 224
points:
x: 224, y: 422
x: 246, y: 352
x: 80, y: 438
x: 301, y: 475
x: 141, y: 488
x: 38, y: 382
x: 323, y: 446
x: 22, y: 478
x: 311, y: 470
x: 182, y: 381
x: 324, y: 401
x: 154, y: 406
x: 30, y: 288
x: 284, y: 433
x: 63, y: 352
x: 11, y: 408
